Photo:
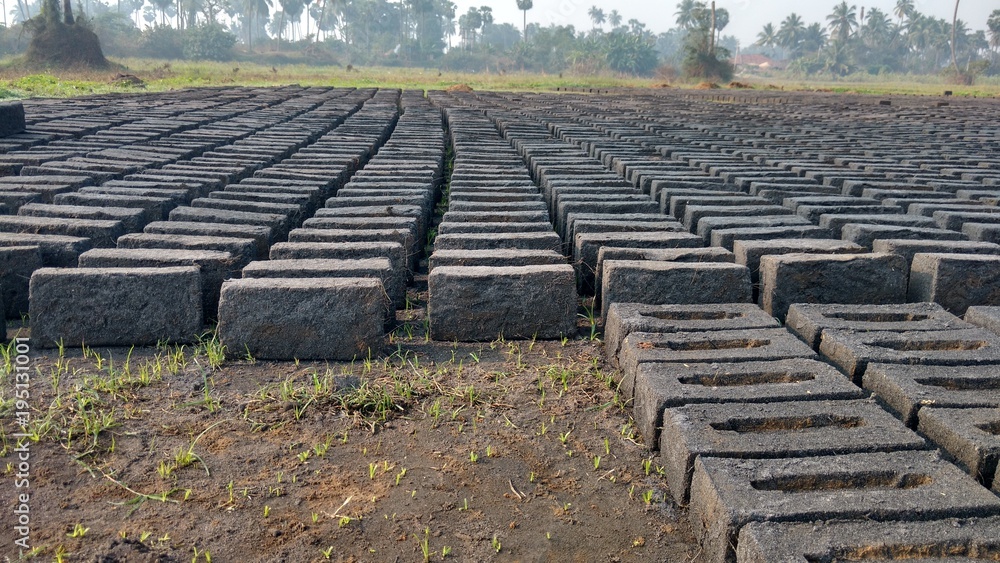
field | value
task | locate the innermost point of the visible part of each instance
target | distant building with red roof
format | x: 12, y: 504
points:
x: 757, y: 61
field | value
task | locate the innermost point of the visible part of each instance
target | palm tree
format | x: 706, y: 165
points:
x: 636, y: 27
x: 524, y: 6
x: 597, y: 16
x: 790, y: 34
x: 994, y: 24
x: 253, y: 8
x: 877, y: 31
x: 904, y: 10
x: 688, y: 12
x: 768, y: 37
x: 837, y: 59
x: 614, y: 18
x: 813, y: 38
x: 721, y: 21
x: 843, y: 20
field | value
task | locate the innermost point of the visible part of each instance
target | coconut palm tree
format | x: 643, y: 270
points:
x: 597, y: 16
x: 688, y: 12
x: 843, y: 21
x: 993, y: 23
x: 877, y: 30
x: 813, y: 38
x: 524, y: 6
x: 904, y: 10
x: 768, y: 37
x: 614, y: 18
x: 790, y: 34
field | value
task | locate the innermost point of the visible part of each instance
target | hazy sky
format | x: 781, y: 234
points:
x: 747, y: 17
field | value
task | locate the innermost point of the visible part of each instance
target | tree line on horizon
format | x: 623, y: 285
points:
x: 873, y: 41
x: 431, y: 33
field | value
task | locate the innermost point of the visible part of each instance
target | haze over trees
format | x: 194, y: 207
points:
x: 433, y: 34
x: 856, y: 39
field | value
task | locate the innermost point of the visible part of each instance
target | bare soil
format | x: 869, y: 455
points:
x: 507, y: 451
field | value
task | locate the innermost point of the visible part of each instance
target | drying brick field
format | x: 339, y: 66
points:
x: 308, y: 324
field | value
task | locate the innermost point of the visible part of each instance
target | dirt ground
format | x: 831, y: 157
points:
x: 508, y: 451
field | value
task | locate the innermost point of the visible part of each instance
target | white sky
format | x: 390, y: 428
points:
x: 747, y: 17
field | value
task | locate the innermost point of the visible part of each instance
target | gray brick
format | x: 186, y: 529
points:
x: 626, y: 318
x: 305, y: 318
x: 938, y: 540
x: 830, y: 278
x: 971, y: 436
x: 710, y: 346
x: 115, y: 306
x: 785, y: 430
x: 480, y: 303
x: 728, y: 494
x: 907, y: 389
x: 808, y: 321
x: 956, y: 281
x: 682, y: 283
x: 657, y: 386
x: 853, y: 351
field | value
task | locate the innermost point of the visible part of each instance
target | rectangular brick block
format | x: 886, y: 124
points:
x: 495, y: 258
x: 971, y: 436
x: 793, y: 429
x: 728, y: 494
x: 853, y: 351
x: 707, y: 226
x: 907, y: 389
x: 115, y: 306
x: 587, y: 247
x: 749, y: 252
x: 681, y: 283
x: 394, y: 251
x: 658, y: 386
x: 709, y: 346
x: 956, y: 220
x: 866, y: 235
x: 102, y: 233
x: 17, y: 263
x: 488, y: 241
x: 909, y: 248
x: 57, y: 251
x: 830, y: 278
x: 727, y: 238
x: 938, y: 540
x: 835, y: 222
x: 214, y: 266
x: 626, y: 318
x: 244, y: 250
x: 984, y: 317
x: 956, y: 281
x: 306, y: 318
x: 808, y: 321
x: 607, y: 253
x: 377, y: 268
x: 480, y: 303
x: 260, y: 235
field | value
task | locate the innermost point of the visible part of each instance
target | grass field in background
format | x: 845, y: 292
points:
x: 160, y: 75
